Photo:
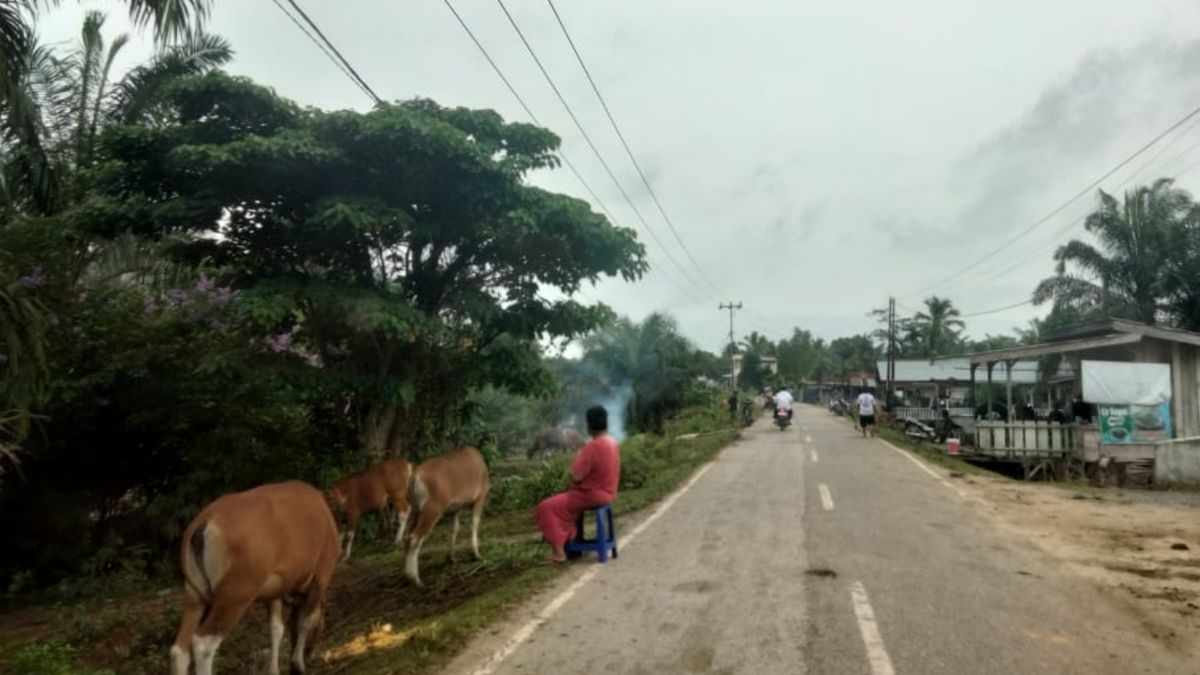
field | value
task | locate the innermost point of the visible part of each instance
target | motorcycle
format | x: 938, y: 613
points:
x: 783, y: 418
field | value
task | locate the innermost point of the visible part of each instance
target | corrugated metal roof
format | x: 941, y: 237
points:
x: 942, y: 370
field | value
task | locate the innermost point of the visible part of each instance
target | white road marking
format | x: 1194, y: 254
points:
x: 826, y: 497
x: 926, y: 469
x: 808, y: 439
x: 525, y: 632
x: 877, y: 656
x: 813, y: 454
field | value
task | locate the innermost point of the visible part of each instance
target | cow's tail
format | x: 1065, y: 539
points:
x: 418, y: 494
x: 195, y: 572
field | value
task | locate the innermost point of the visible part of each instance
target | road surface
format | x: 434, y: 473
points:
x: 817, y: 551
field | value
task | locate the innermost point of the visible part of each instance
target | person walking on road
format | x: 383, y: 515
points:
x: 866, y: 412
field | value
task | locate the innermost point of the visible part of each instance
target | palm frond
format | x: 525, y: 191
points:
x: 135, y: 96
x: 172, y: 20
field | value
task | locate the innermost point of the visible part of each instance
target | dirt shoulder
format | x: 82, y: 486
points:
x: 1142, y: 545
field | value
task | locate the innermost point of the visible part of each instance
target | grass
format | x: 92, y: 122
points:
x: 376, y: 621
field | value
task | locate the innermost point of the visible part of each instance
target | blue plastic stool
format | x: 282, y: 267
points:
x: 606, y: 537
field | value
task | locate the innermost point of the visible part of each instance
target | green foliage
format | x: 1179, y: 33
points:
x: 400, y: 247
x: 649, y: 365
x: 51, y: 657
x: 753, y: 375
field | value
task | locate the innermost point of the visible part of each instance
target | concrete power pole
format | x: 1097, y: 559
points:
x: 891, y: 351
x: 732, y: 345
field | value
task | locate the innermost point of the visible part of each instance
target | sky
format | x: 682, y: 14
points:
x: 815, y: 157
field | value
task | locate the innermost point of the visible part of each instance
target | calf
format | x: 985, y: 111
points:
x: 555, y: 438
x: 445, y: 484
x: 266, y: 544
x: 369, y: 491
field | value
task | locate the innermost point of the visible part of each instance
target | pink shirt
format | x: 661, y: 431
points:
x: 599, y: 464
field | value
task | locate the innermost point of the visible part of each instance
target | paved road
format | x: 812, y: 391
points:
x: 816, y: 551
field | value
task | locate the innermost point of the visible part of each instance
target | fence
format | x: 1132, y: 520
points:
x: 1026, y: 438
x: 925, y: 414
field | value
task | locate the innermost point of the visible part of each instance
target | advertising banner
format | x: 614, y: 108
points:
x: 1134, y: 423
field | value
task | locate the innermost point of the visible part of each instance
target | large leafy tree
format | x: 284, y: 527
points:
x: 850, y: 354
x: 1138, y: 271
x: 400, y: 250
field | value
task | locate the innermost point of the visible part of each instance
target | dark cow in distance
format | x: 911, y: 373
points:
x: 552, y: 440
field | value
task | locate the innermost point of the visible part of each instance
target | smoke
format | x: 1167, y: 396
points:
x: 616, y: 401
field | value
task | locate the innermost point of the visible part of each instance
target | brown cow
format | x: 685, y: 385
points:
x: 368, y: 491
x: 266, y: 544
x: 445, y: 484
x: 555, y: 438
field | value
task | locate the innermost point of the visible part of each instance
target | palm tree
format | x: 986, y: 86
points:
x: 938, y: 329
x: 759, y: 344
x: 52, y: 107
x: 171, y: 19
x: 651, y: 359
x: 1126, y: 277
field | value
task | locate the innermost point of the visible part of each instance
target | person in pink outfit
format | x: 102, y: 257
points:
x: 594, y: 477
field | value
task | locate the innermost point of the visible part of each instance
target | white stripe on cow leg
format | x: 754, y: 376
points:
x: 454, y: 535
x: 401, y: 524
x: 349, y: 544
x: 410, y: 560
x: 476, y: 516
x: 204, y: 649
x: 181, y: 660
x: 276, y: 635
x: 304, y: 632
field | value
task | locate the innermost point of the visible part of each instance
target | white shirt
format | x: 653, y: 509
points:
x: 866, y: 404
x: 783, y: 400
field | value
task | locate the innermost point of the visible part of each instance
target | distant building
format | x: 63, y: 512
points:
x: 769, y: 363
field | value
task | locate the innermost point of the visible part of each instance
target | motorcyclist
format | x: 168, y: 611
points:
x: 783, y: 401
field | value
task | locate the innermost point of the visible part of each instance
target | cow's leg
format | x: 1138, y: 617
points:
x: 401, y: 523
x: 308, y: 619
x: 351, y: 529
x: 427, y: 518
x: 454, y: 534
x: 181, y: 651
x: 476, y: 516
x: 276, y: 612
x: 227, y: 608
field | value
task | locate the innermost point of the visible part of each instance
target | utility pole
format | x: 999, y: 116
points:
x: 891, y: 351
x: 732, y: 345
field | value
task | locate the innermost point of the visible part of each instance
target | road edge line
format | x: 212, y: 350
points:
x: 924, y: 467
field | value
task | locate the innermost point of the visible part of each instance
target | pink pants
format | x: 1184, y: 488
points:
x: 556, y: 515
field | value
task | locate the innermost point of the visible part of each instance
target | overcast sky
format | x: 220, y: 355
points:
x: 816, y: 156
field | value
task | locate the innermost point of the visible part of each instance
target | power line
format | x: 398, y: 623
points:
x: 591, y: 144
x: 997, y: 309
x: 566, y: 160
x: 1065, y: 204
x: 320, y: 45
x: 1033, y: 254
x: 353, y: 73
x: 625, y: 144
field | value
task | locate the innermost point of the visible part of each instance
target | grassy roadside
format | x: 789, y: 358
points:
x: 376, y: 621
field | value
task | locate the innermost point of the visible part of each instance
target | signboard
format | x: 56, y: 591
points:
x: 1134, y: 423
